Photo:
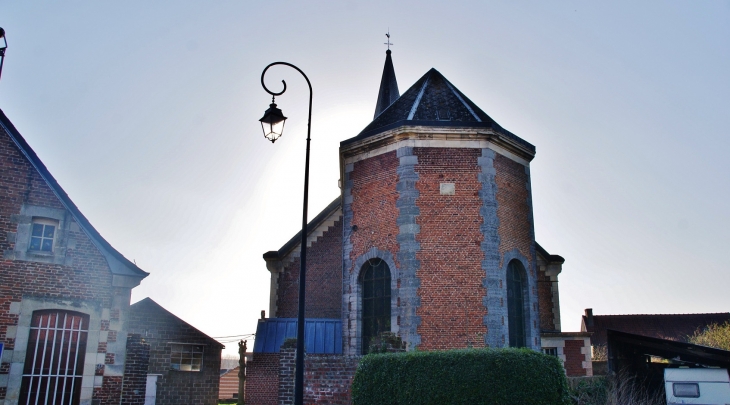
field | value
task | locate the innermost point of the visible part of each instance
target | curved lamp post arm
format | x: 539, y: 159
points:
x: 299, y: 373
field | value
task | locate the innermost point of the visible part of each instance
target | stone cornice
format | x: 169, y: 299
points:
x: 441, y: 137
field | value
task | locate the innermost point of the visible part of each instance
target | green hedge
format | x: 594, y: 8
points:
x: 471, y: 376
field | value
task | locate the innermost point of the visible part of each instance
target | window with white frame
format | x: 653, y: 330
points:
x: 186, y: 357
x: 42, y: 234
x: 551, y: 351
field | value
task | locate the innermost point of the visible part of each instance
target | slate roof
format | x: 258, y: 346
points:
x: 388, y: 92
x: 433, y: 101
x: 665, y: 326
x: 117, y: 262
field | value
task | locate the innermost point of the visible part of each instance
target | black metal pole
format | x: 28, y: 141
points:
x: 299, y: 371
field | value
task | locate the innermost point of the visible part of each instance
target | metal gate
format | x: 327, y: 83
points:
x: 54, y: 360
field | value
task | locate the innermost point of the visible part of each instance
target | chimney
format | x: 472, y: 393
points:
x: 589, y: 317
x: 263, y: 314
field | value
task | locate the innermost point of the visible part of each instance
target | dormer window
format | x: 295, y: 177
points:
x: 42, y: 234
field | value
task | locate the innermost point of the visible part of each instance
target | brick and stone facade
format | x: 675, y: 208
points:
x: 441, y: 194
x: 77, y: 273
x: 161, y: 330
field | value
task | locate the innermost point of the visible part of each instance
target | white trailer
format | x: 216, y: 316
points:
x: 706, y: 386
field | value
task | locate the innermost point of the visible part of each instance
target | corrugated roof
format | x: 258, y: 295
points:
x: 675, y: 327
x: 320, y: 335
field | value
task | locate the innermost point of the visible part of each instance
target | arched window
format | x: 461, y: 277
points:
x: 516, y: 303
x: 375, y: 301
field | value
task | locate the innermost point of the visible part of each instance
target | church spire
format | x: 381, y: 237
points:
x: 388, y: 92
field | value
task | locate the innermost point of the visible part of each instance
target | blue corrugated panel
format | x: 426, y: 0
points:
x: 320, y: 335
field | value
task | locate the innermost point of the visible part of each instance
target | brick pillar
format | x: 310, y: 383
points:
x: 134, y: 385
x: 287, y: 365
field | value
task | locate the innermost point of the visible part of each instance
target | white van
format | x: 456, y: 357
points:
x: 706, y: 386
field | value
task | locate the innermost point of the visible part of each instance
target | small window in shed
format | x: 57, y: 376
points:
x: 186, y: 357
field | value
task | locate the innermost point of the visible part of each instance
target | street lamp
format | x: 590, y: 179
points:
x: 271, y: 122
x: 3, y: 47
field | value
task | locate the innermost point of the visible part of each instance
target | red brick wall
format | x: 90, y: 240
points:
x: 327, y: 378
x: 373, y: 206
x: 262, y: 379
x: 513, y: 209
x: 324, y: 279
x: 451, y: 275
x: 545, y: 301
x: 574, y: 358
x: 109, y: 393
x: 135, y: 370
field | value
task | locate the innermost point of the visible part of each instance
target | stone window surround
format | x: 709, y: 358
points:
x: 532, y: 335
x: 21, y: 237
x: 355, y: 314
x: 21, y: 333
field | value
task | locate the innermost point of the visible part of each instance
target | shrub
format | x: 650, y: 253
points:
x: 717, y: 336
x: 470, y: 376
x: 613, y: 390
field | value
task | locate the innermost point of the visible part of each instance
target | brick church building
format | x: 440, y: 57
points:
x: 431, y: 238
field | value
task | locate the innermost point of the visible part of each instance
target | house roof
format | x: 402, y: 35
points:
x: 118, y: 264
x: 147, y: 305
x: 544, y: 253
x: 295, y: 241
x: 388, y: 92
x: 629, y: 349
x: 662, y: 326
x: 434, y: 102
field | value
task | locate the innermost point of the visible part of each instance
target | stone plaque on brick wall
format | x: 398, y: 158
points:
x: 448, y: 189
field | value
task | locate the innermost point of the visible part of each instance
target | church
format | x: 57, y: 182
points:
x: 431, y: 238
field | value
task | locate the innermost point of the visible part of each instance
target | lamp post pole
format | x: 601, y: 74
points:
x: 3, y: 47
x: 299, y: 371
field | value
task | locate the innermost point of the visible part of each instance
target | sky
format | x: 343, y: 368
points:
x: 147, y: 115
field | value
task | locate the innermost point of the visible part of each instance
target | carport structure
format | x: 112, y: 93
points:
x: 630, y: 354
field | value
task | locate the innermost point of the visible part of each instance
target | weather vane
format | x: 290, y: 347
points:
x: 388, y: 42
